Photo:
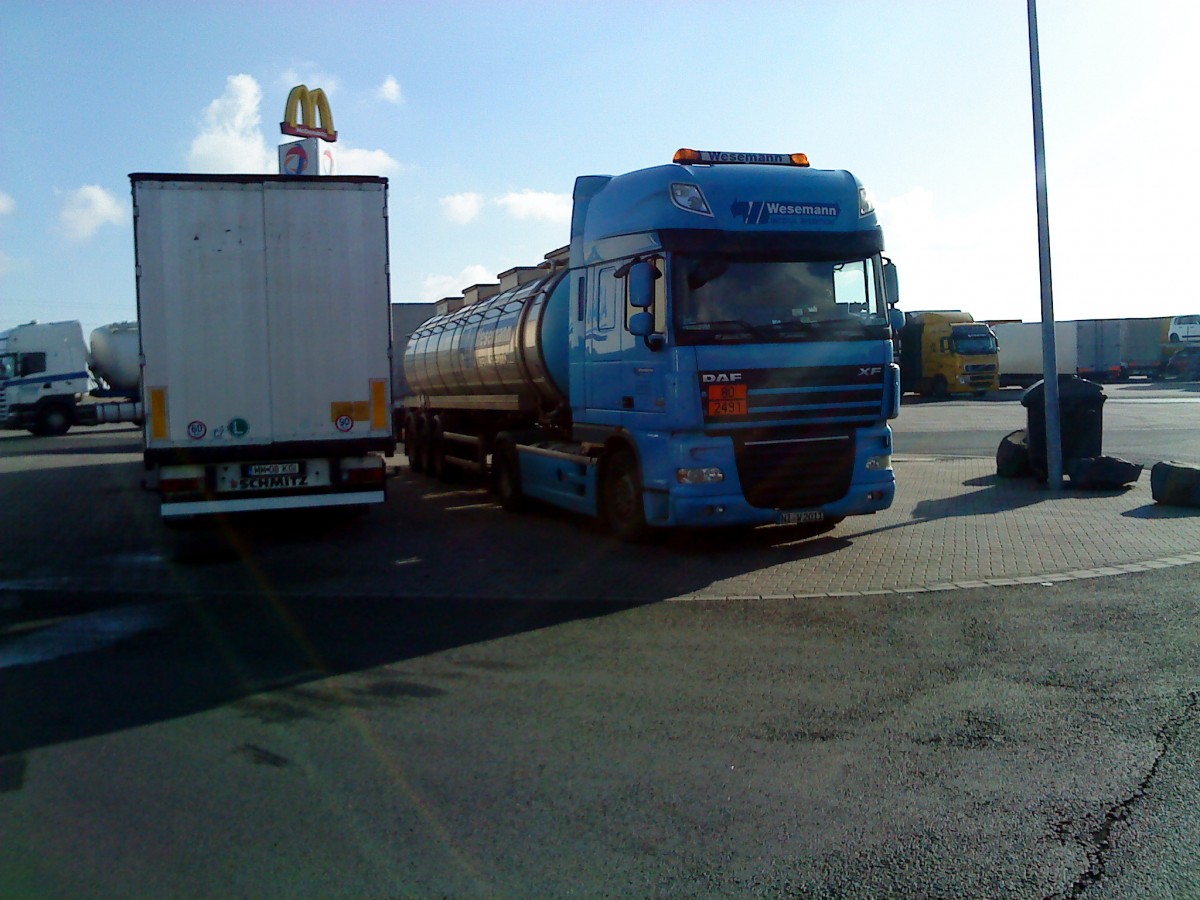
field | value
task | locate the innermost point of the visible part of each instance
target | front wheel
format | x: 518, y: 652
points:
x: 941, y: 388
x: 52, y: 421
x: 621, y: 492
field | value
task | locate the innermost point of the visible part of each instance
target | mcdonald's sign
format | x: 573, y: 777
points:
x: 310, y: 107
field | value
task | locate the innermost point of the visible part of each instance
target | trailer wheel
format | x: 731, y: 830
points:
x: 436, y: 459
x: 506, y: 477
x: 941, y: 388
x: 410, y: 443
x: 621, y: 495
x: 52, y: 420
x: 419, y: 462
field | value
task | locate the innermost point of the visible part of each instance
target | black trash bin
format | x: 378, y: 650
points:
x: 1080, y: 420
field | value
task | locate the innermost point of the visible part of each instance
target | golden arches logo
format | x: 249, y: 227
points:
x: 311, y: 107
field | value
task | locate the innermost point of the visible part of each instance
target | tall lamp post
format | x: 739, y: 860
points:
x: 1049, y: 354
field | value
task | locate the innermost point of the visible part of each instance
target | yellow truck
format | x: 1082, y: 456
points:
x: 945, y: 352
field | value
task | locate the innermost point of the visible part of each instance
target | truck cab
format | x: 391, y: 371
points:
x: 947, y: 352
x: 43, y: 373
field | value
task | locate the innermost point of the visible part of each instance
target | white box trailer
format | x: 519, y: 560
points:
x: 266, y: 346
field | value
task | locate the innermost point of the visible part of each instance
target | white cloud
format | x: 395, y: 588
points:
x: 435, y: 287
x: 539, y: 205
x: 86, y: 209
x: 352, y: 161
x: 7, y: 204
x: 290, y: 78
x: 230, y: 138
x: 462, y: 208
x: 390, y: 91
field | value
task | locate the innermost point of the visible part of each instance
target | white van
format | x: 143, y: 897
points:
x: 1185, y: 328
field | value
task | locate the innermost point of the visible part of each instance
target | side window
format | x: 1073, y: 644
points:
x: 854, y: 287
x: 660, y: 298
x: 32, y: 363
x: 610, y: 293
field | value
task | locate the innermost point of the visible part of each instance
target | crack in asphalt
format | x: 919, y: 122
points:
x: 1097, y: 843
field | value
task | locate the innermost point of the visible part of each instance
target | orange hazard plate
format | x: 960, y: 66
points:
x: 727, y: 400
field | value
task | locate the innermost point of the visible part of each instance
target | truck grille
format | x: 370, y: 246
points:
x: 980, y: 367
x: 815, y: 395
x: 795, y: 471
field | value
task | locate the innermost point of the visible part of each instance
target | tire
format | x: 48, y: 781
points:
x: 941, y: 388
x: 621, y: 497
x: 437, y: 452
x: 52, y: 421
x: 1174, y: 339
x: 506, y: 477
x: 412, y: 443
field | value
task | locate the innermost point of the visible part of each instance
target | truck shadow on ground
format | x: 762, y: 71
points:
x: 99, y: 632
x: 186, y: 656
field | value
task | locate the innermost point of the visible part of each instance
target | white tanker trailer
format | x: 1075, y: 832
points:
x: 497, y: 364
x: 50, y: 381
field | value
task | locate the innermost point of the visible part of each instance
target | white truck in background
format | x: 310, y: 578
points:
x: 264, y: 310
x: 51, y: 380
x: 1102, y: 350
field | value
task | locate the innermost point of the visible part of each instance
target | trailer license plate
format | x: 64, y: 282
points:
x: 268, y: 477
x: 801, y: 518
x: 727, y: 400
x: 250, y: 470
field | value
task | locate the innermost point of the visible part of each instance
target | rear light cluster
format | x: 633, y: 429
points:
x: 182, y: 482
x: 360, y: 471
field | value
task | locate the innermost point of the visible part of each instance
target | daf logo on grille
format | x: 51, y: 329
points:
x: 720, y: 377
x: 868, y: 371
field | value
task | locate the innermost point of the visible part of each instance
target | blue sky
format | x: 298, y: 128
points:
x: 481, y: 114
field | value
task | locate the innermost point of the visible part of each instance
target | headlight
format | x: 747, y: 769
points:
x: 699, y: 476
x: 878, y: 463
x: 865, y: 203
x: 689, y: 197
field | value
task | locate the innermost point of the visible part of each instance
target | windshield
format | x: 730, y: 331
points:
x: 975, y: 344
x: 718, y: 299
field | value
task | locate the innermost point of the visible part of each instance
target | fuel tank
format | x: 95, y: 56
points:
x: 506, y: 352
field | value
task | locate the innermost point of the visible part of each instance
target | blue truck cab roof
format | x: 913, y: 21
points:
x: 618, y: 215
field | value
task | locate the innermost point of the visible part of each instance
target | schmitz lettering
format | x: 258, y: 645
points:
x: 268, y: 482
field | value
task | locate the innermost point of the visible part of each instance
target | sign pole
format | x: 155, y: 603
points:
x: 1049, y: 351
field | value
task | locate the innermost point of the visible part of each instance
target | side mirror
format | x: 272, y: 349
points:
x: 891, y: 283
x: 642, y: 276
x: 641, y: 324
x: 896, y: 319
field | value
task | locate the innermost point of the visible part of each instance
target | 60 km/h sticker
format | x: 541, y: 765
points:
x: 197, y: 430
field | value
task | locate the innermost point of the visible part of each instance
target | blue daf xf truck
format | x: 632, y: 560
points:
x: 713, y: 348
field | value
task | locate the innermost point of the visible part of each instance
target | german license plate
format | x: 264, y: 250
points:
x: 801, y: 518
x: 251, y: 470
x: 273, y: 476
